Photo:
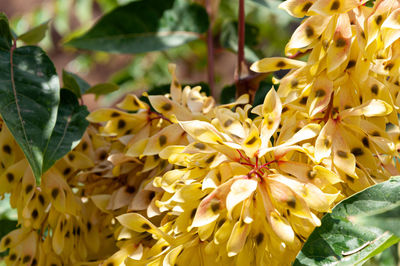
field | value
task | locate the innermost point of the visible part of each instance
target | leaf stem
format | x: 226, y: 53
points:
x: 210, y: 52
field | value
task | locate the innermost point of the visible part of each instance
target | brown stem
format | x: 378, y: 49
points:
x: 210, y: 52
x: 240, y: 88
x: 241, y: 32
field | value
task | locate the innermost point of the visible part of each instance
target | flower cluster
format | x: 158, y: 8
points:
x: 179, y: 180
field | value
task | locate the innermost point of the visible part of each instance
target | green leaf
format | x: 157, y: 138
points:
x: 228, y: 94
x: 144, y: 26
x: 5, y: 33
x: 69, y: 129
x: 229, y: 39
x: 6, y: 226
x: 387, y: 218
x: 74, y: 83
x: 36, y: 34
x: 339, y: 241
x: 29, y: 98
x: 101, y: 89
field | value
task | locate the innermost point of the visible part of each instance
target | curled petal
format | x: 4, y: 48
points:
x: 297, y: 8
x: 371, y: 108
x: 307, y: 33
x: 238, y: 238
x: 241, y: 189
x: 132, y: 103
x: 275, y: 63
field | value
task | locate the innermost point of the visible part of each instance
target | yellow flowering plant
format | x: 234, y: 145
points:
x: 178, y: 179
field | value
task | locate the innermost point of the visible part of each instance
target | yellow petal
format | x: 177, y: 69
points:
x: 338, y: 52
x: 371, y: 108
x: 210, y: 207
x: 307, y: 33
x: 297, y: 8
x: 132, y: 103
x: 275, y: 63
x: 238, y: 238
x: 241, y: 189
x: 331, y: 7
x: 202, y: 131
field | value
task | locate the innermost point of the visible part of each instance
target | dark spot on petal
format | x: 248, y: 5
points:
x: 84, y: 145
x: 228, y: 122
x: 130, y: 189
x: 78, y: 231
x: 303, y: 100
x: 320, y: 93
x: 67, y: 171
x: 284, y: 109
x: 342, y: 154
x: 103, y: 155
x: 219, y: 177
x: 335, y: 5
x: 67, y: 234
x: 294, y: 83
x: 28, y: 188
x: 389, y: 66
x: 306, y: 6
x: 162, y: 140
x: 54, y: 193
x: 41, y: 199
x: 13, y: 257
x: 357, y: 151
x: 340, y: 42
x: 251, y: 141
x: 71, y: 156
x: 200, y: 146
x: 166, y: 107
x: 7, y: 241
x: 378, y: 19
x: 376, y: 134
x: 363, y: 35
x: 309, y: 31
x: 211, y: 159
x: 121, y: 124
x: 215, y: 205
x: 259, y: 238
x: 164, y: 248
x: 10, y: 177
x: 35, y: 214
x: 347, y: 106
x: 375, y: 89
x: 34, y: 262
x: 115, y: 114
x: 351, y: 64
x: 146, y: 226
x: 7, y: 149
x: 110, y: 264
x: 26, y: 259
x: 291, y: 202
x: 89, y: 226
x: 280, y: 64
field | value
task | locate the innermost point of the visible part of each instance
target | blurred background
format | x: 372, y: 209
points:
x: 267, y: 31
